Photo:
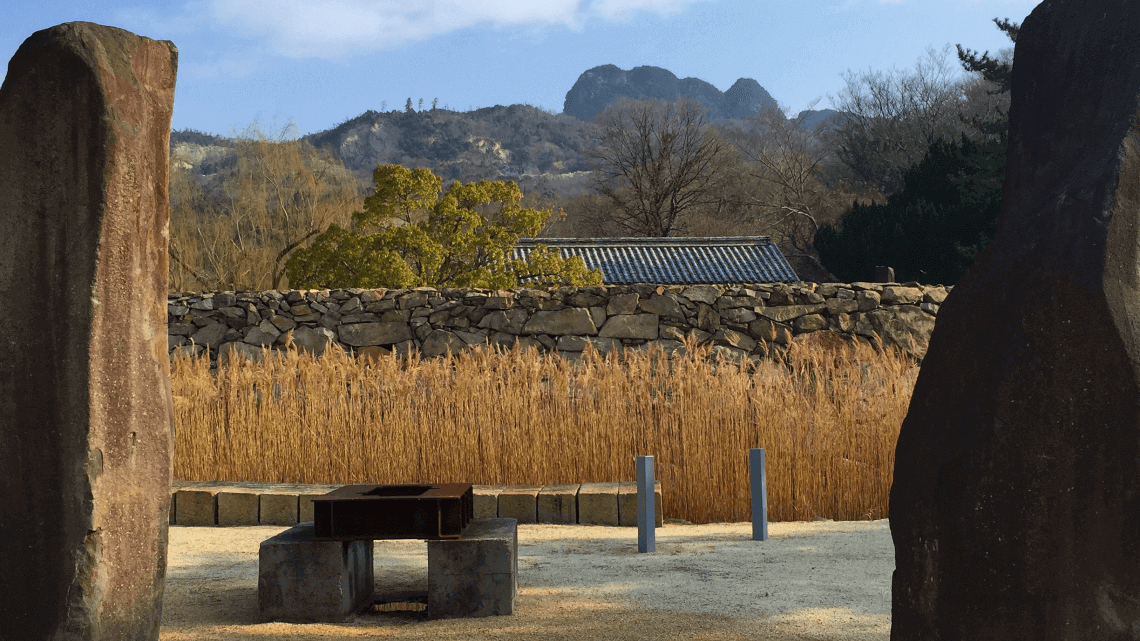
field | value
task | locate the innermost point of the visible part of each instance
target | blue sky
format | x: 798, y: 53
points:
x: 320, y: 62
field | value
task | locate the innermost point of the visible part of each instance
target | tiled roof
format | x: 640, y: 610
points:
x: 674, y: 261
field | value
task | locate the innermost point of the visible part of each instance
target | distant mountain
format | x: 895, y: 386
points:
x: 485, y: 143
x: 540, y: 150
x: 812, y: 119
x: 600, y: 86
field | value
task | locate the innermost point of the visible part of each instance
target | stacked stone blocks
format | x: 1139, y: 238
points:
x: 230, y: 503
x: 740, y: 320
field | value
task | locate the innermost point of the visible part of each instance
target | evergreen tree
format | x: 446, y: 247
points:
x: 992, y: 70
x: 408, y: 106
x: 932, y: 229
x: 945, y: 214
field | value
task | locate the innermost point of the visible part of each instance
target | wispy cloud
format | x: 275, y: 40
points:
x: 335, y: 29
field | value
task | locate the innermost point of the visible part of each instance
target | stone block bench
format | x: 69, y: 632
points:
x: 226, y: 503
x: 304, y: 579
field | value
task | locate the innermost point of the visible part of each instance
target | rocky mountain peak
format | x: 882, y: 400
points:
x: 600, y: 86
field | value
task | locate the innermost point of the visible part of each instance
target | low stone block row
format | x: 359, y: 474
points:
x: 752, y: 320
x: 224, y: 503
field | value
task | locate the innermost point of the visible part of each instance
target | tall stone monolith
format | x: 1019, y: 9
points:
x: 85, y: 416
x: 1015, y: 508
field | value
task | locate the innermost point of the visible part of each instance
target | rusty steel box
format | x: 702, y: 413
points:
x: 407, y: 511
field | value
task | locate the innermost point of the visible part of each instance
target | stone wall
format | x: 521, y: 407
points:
x: 745, y: 320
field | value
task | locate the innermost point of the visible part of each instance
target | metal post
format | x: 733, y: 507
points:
x: 646, y: 517
x: 759, y: 484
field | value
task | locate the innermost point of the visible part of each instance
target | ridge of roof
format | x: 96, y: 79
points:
x: 667, y: 261
x: 651, y: 240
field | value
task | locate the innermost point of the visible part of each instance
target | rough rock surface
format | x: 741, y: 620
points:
x: 85, y: 414
x: 1015, y: 509
x: 599, y: 86
x: 753, y: 321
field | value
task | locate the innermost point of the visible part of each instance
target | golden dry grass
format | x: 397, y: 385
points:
x: 827, y: 416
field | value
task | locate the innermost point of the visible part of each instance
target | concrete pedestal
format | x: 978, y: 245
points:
x: 476, y: 575
x: 301, y: 580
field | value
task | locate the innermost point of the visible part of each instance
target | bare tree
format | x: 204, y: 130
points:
x: 656, y: 161
x: 781, y: 191
x: 280, y: 194
x: 895, y: 118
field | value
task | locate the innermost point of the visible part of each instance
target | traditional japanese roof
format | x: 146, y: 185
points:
x: 674, y: 261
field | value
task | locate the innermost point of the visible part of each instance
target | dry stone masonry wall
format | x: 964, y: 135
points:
x: 742, y: 321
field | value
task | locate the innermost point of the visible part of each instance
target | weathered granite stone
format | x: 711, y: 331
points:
x: 839, y: 305
x: 767, y: 330
x: 372, y: 295
x: 810, y: 323
x: 662, y: 305
x: 211, y: 335
x: 707, y: 319
x: 510, y: 321
x: 228, y: 351
x: 598, y: 315
x: 706, y: 294
x: 935, y: 295
x: 361, y: 334
x: 571, y: 343
x: 1015, y: 506
x: 510, y: 341
x: 739, y: 315
x: 631, y: 326
x: 867, y: 300
x: 85, y: 405
x: 901, y: 295
x: 789, y: 312
x: 390, y: 316
x: 180, y: 329
x: 605, y: 345
x: 414, y: 300
x: 310, y: 340
x: 584, y: 299
x: 572, y: 320
x: 499, y: 302
x: 729, y: 354
x: 907, y: 328
x: 439, y: 342
x: 622, y: 304
x: 730, y: 338
x: 471, y: 338
x: 670, y: 346
x: 258, y: 336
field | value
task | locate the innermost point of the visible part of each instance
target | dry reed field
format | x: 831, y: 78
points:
x: 828, y: 418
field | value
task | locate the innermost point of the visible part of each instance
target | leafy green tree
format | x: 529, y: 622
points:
x: 932, y: 229
x: 409, y: 236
